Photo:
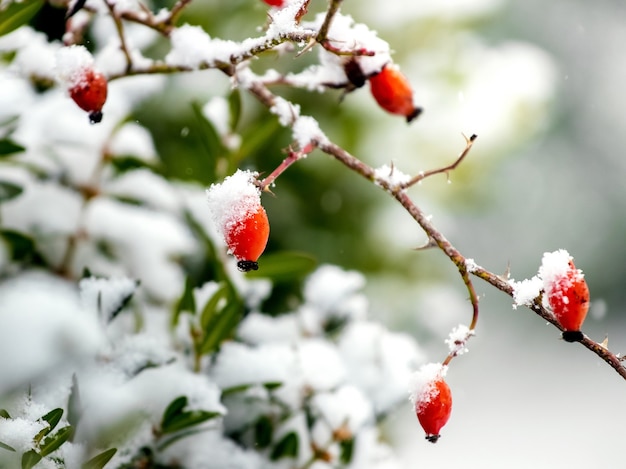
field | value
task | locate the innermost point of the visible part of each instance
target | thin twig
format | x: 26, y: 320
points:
x: 446, y: 169
x: 120, y: 32
x: 333, y: 8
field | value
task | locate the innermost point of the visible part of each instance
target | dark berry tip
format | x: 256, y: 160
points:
x: 573, y: 336
x: 95, y: 117
x: 433, y: 438
x: 247, y: 266
x: 415, y: 114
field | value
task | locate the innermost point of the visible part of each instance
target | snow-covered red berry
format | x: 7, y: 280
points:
x: 566, y: 292
x: 86, y: 85
x: 393, y: 93
x: 237, y: 212
x: 432, y: 399
x: 90, y: 94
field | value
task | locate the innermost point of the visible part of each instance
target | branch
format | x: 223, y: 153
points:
x: 436, y: 238
x: 120, y: 32
x: 446, y: 169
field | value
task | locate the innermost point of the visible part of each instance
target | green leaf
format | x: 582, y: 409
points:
x: 188, y: 419
x: 176, y: 419
x: 123, y: 302
x: 221, y: 326
x: 263, y: 432
x: 123, y: 164
x: 52, y: 418
x: 4, y: 414
x: 74, y: 406
x: 100, y: 460
x: 287, y: 447
x: 211, y: 141
x: 256, y: 139
x: 284, y: 266
x: 18, y: 14
x: 22, y: 246
x: 7, y: 447
x: 54, y: 442
x: 9, y: 191
x: 270, y: 386
x: 186, y: 302
x: 175, y: 408
x: 30, y: 459
x: 347, y: 450
x: 211, y: 307
x: 8, y: 147
x: 234, y: 105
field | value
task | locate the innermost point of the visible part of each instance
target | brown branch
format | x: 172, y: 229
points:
x: 333, y: 8
x: 601, y: 351
x: 120, y: 32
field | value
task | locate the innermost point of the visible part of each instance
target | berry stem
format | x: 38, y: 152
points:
x: 291, y: 158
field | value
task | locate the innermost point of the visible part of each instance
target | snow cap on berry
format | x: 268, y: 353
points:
x: 555, y: 266
x: 233, y: 200
x: 71, y: 64
x: 421, y: 388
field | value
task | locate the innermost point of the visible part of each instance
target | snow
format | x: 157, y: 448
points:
x: 421, y: 384
x: 286, y: 111
x: 344, y: 34
x: 132, y: 139
x: 320, y: 364
x: 347, y: 406
x: 239, y: 364
x: 329, y: 286
x: 145, y: 186
x: 210, y: 450
x: 554, y: 265
x: 147, y: 240
x: 192, y: 47
x: 19, y: 433
x: 525, y: 291
x: 457, y: 340
x: 471, y: 265
x: 233, y: 199
x: 104, y: 296
x: 71, y: 64
x: 306, y: 131
x: 379, y: 362
x: 391, y: 175
x: 258, y: 328
x: 45, y: 330
x: 37, y: 59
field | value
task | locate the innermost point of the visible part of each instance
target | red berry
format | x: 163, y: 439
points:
x: 90, y: 93
x: 393, y: 93
x: 568, y: 296
x: 247, y: 237
x: 432, y: 400
x: 275, y: 3
x: 238, y: 215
